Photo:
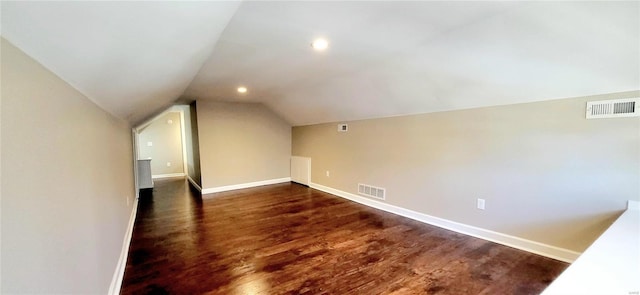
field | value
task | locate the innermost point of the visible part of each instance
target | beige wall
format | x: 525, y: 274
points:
x: 1, y: 40
x: 67, y: 184
x: 241, y: 143
x: 547, y: 173
x: 166, y: 139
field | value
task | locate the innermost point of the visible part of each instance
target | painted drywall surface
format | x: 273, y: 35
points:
x: 67, y: 184
x: 547, y: 174
x: 165, y: 136
x: 241, y: 143
x: 192, y: 143
x: 0, y: 168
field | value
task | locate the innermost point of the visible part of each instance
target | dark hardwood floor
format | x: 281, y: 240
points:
x: 290, y: 239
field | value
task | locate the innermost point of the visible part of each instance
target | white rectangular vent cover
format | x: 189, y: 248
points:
x: 616, y: 108
x: 371, y: 191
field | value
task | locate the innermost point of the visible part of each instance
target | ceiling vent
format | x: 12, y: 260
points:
x: 616, y: 108
x: 371, y: 191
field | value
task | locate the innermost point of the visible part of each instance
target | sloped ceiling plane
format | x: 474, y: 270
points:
x: 384, y: 58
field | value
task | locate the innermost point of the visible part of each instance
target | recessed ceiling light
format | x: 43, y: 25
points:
x: 242, y: 89
x: 320, y: 44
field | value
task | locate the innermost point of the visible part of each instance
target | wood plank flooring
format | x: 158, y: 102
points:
x: 290, y: 239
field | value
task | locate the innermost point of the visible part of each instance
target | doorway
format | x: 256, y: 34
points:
x: 167, y: 146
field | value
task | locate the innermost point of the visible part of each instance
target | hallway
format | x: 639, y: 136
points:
x: 290, y: 239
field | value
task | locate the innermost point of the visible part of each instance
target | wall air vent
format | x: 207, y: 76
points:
x: 343, y: 127
x: 616, y: 108
x: 371, y: 191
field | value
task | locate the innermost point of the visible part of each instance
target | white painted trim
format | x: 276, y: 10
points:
x: 118, y: 275
x: 157, y: 176
x: 194, y: 183
x: 183, y: 137
x: 136, y: 183
x: 244, y: 185
x: 500, y: 238
x: 633, y: 205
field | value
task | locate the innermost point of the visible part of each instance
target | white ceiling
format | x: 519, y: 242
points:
x: 384, y: 59
x: 131, y: 58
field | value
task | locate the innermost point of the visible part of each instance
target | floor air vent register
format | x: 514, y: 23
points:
x: 371, y: 191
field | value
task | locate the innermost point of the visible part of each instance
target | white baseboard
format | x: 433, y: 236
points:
x: 500, y: 238
x: 244, y: 185
x: 194, y: 183
x: 158, y: 176
x: 118, y: 275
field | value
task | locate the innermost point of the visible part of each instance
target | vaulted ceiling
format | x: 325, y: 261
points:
x: 384, y: 58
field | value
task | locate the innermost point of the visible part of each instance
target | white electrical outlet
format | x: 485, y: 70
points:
x: 168, y: 164
x: 327, y: 173
x: 481, y: 204
x: 149, y: 143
